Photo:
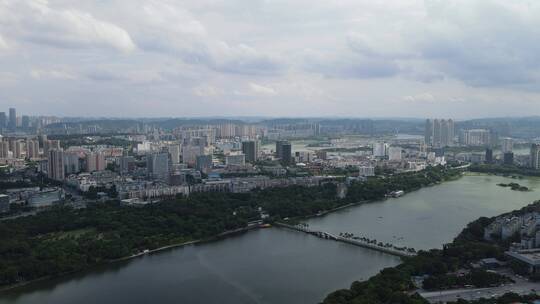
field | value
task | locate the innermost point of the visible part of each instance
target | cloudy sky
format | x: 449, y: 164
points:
x: 270, y: 58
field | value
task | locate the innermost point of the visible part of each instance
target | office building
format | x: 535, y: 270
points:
x: 157, y: 166
x: 204, y: 162
x: 12, y: 123
x: 55, y: 169
x: 508, y: 158
x: 284, y: 152
x: 71, y: 163
x: 489, y: 156
x: 250, y: 150
x: 127, y: 164
x: 535, y: 156
x: 25, y: 122
x: 3, y: 120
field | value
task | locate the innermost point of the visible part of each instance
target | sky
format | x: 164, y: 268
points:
x: 290, y: 58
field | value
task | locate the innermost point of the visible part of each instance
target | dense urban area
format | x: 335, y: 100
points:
x: 76, y: 193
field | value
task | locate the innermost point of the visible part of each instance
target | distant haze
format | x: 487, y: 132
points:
x: 287, y: 58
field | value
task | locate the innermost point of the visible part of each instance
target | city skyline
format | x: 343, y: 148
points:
x: 217, y: 58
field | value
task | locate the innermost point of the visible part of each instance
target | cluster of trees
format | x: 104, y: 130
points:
x: 377, y: 188
x: 478, y: 278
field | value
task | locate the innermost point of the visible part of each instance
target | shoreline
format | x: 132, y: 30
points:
x: 217, y: 237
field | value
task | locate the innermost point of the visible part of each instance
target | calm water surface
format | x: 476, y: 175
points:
x: 280, y: 266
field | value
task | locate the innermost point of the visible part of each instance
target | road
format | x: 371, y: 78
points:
x: 521, y: 286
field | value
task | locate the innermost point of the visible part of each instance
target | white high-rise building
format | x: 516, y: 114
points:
x: 380, y: 149
x: 394, y: 153
x: 507, y: 145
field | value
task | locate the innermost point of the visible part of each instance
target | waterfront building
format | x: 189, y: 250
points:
x: 508, y: 158
x: 489, y: 156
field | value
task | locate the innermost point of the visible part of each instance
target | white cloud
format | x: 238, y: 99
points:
x: 422, y: 97
x: 261, y: 89
x: 52, y: 73
x: 38, y: 22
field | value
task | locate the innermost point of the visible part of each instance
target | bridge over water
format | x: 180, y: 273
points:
x: 329, y: 236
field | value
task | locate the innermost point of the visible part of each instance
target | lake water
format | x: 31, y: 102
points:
x: 280, y: 266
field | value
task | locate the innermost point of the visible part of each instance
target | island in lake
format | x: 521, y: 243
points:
x: 514, y: 186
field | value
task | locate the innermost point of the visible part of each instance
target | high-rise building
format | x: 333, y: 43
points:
x: 428, y: 132
x: 50, y: 145
x: 4, y: 203
x: 380, y: 149
x: 71, y: 163
x: 535, y: 156
x: 12, y: 123
x: 507, y: 145
x: 19, y: 149
x: 32, y: 149
x: 157, y: 166
x: 508, y: 158
x: 476, y: 137
x: 204, y: 162
x: 489, y: 156
x: 394, y: 153
x: 127, y: 164
x: 284, y: 152
x: 439, y: 132
x: 174, y: 153
x: 4, y: 149
x: 25, y: 122
x: 95, y: 161
x: 3, y: 120
x: 250, y: 150
x: 55, y: 168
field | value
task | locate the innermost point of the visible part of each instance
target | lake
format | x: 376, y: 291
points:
x: 280, y: 266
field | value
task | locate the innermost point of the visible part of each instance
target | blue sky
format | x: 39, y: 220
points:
x: 278, y: 58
